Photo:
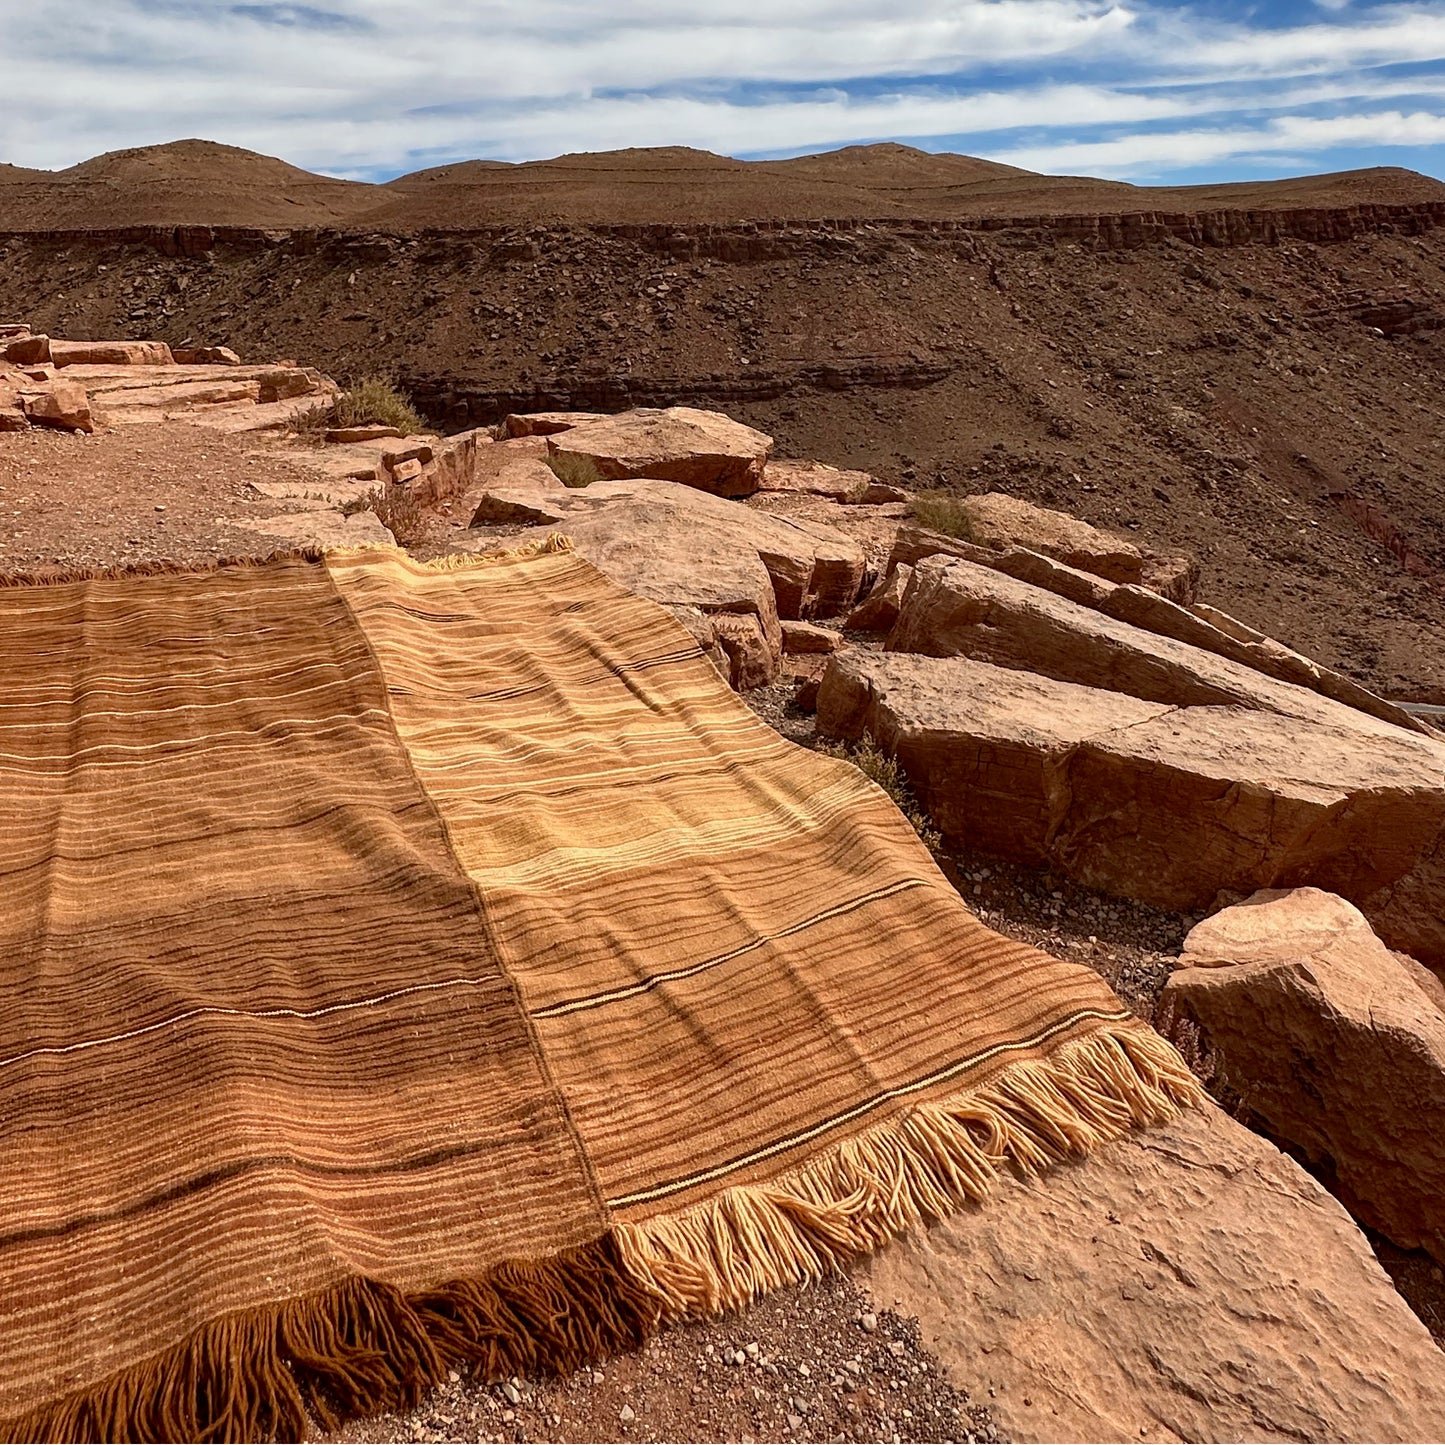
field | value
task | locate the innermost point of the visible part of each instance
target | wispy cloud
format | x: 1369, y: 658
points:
x: 1142, y: 88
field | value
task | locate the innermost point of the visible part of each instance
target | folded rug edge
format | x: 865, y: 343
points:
x: 357, y: 1348
x: 918, y: 1168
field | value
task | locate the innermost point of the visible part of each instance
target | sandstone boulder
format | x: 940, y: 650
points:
x: 57, y: 403
x: 1187, y: 1282
x: 956, y: 608
x: 880, y: 494
x: 878, y: 611
x: 986, y: 750
x: 518, y: 485
x: 26, y: 350
x: 1270, y: 656
x: 233, y: 398
x: 1146, y: 609
x: 12, y: 414
x: 815, y: 479
x: 1176, y: 578
x: 110, y: 353
x: 704, y: 633
x: 1169, y: 805
x: 996, y: 520
x: 346, y: 435
x: 528, y: 499
x: 805, y: 638
x: 545, y: 423
x: 913, y: 544
x: 701, y: 449
x: 1335, y: 1042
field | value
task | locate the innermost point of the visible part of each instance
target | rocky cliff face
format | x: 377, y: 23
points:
x: 1255, y: 386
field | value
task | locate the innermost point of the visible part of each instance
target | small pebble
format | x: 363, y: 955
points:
x: 627, y: 1414
x: 869, y: 1323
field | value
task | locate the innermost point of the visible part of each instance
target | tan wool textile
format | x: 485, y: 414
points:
x: 403, y: 965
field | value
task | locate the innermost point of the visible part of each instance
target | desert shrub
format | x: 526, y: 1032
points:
x: 940, y: 512
x: 372, y: 401
x: 396, y: 509
x: 879, y: 767
x: 573, y: 470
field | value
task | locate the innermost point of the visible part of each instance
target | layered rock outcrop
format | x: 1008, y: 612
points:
x: 1150, y: 799
x: 1337, y: 1043
x: 743, y: 569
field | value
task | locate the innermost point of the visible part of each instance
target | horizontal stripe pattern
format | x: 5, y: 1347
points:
x: 254, y: 1038
x: 735, y: 952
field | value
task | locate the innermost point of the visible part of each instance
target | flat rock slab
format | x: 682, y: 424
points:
x: 323, y: 527
x: 545, y: 423
x: 701, y: 449
x: 998, y: 520
x: 1188, y: 1282
x: 1142, y: 607
x: 1169, y: 805
x: 1336, y: 1042
x: 815, y: 479
x: 957, y: 608
x: 110, y: 353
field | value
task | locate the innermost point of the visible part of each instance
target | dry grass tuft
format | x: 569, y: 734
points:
x: 396, y: 509
x: 372, y: 401
x: 876, y: 765
x: 940, y: 512
x: 574, y: 471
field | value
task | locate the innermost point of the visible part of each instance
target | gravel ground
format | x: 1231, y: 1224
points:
x: 808, y: 1364
x: 167, y: 491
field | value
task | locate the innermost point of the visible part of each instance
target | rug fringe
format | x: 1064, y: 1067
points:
x: 722, y: 1255
x: 358, y: 1348
x: 60, y: 576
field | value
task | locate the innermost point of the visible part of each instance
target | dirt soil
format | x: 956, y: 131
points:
x: 167, y: 492
x: 1271, y: 405
x: 819, y: 1363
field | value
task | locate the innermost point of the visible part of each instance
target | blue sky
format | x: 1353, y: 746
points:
x: 1149, y: 90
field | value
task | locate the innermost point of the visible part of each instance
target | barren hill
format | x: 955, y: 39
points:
x: 1251, y: 372
x: 202, y: 183
x: 189, y: 182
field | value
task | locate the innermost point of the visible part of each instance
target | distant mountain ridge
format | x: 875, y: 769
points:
x: 205, y: 183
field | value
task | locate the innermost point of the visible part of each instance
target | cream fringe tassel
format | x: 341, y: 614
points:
x: 721, y: 1255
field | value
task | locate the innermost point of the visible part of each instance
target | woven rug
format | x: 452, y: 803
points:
x: 403, y: 966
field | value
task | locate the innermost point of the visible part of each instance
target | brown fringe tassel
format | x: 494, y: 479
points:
x: 356, y: 1349
x: 720, y: 1256
x: 60, y: 576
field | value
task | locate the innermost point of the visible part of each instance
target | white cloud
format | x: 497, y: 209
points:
x: 389, y: 84
x: 1284, y: 136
